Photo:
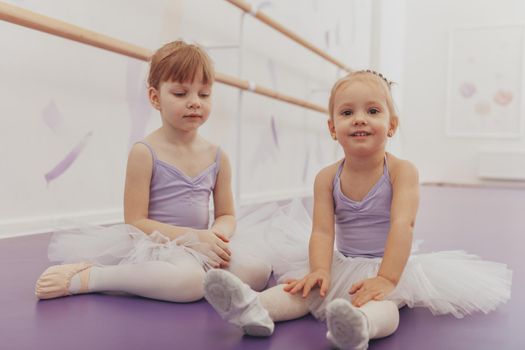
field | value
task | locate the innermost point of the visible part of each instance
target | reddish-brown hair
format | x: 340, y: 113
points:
x: 180, y: 62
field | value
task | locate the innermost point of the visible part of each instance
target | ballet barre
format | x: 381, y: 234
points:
x: 248, y: 8
x: 33, y: 20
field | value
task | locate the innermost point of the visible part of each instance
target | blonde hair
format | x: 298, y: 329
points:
x: 362, y: 75
x: 180, y: 62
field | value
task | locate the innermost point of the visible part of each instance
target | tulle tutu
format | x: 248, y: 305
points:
x: 122, y: 244
x: 447, y: 282
x: 125, y: 244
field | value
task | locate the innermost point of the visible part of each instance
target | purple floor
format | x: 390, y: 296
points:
x: 489, y: 222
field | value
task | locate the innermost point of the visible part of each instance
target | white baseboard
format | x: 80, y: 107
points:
x: 43, y: 224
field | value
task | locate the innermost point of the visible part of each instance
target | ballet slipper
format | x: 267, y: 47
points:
x: 55, y: 280
x: 347, y: 326
x: 237, y: 303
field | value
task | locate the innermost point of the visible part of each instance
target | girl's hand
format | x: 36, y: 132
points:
x: 375, y: 288
x: 318, y: 278
x: 222, y: 236
x: 215, y: 247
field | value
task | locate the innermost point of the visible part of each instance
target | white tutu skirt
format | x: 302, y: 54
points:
x: 121, y: 244
x: 125, y: 244
x: 447, y: 282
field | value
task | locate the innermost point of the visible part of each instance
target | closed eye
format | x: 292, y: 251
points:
x: 179, y: 94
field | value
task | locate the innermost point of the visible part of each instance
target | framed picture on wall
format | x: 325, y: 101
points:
x: 485, y: 82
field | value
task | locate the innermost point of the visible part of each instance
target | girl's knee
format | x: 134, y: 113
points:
x: 260, y: 277
x: 190, y: 287
x: 180, y: 283
x: 254, y: 272
x: 383, y: 317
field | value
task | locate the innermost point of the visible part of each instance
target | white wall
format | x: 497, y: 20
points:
x: 426, y: 61
x: 56, y: 92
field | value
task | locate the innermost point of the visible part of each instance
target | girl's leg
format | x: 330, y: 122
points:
x: 350, y: 327
x: 281, y: 305
x: 382, y: 316
x: 254, y: 312
x: 181, y: 282
x: 253, y: 271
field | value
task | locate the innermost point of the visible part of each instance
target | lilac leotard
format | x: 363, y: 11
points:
x: 178, y: 199
x: 362, y: 227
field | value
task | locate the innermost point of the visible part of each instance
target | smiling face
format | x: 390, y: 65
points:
x: 362, y: 117
x: 184, y: 106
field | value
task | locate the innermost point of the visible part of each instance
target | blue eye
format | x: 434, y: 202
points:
x: 347, y: 112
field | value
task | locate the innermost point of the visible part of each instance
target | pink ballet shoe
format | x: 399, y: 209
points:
x: 55, y: 280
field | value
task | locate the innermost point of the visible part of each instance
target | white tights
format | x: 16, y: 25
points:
x: 382, y: 316
x: 181, y: 282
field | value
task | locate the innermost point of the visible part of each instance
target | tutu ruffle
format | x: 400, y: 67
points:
x: 122, y: 244
x: 447, y: 282
x: 125, y: 244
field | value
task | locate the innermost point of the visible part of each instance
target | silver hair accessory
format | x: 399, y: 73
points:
x: 388, y: 82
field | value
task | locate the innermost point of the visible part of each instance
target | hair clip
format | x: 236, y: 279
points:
x: 388, y: 82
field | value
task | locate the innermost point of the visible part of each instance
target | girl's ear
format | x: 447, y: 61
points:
x: 331, y: 128
x: 154, y: 97
x: 394, y: 122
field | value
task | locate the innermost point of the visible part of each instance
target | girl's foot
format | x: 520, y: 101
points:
x: 55, y: 282
x: 347, y: 325
x: 237, y: 303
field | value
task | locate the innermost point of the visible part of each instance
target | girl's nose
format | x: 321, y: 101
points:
x: 359, y: 120
x: 194, y: 103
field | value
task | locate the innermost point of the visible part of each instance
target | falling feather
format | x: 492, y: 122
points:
x: 69, y: 159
